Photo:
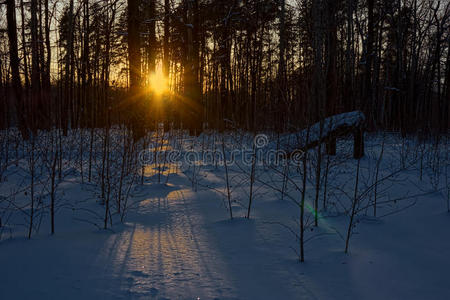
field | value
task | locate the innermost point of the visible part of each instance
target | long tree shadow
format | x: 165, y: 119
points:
x: 163, y: 250
x: 258, y: 264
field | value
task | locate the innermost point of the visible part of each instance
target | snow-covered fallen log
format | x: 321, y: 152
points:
x: 327, y: 131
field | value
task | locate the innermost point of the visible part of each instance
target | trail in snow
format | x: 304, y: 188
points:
x: 179, y: 244
x: 176, y: 244
x: 165, y: 252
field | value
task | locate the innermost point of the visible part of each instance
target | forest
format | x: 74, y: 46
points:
x: 224, y: 149
x: 227, y: 64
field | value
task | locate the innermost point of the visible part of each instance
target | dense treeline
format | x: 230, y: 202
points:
x: 251, y: 64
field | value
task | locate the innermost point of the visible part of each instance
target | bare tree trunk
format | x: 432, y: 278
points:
x: 134, y: 58
x: 24, y: 48
x: 192, y: 109
x: 349, y: 58
x: 166, y: 37
x: 331, y: 76
x: 367, y: 92
x: 447, y: 84
x: 227, y: 178
x: 252, y: 180
x: 67, y: 100
x: 302, y: 201
x: 46, y: 80
x: 85, y: 68
x: 106, y: 190
x: 14, y: 62
x: 353, y: 211
x: 282, y: 101
x: 318, y: 89
x: 3, y: 104
x: 31, y: 165
x: 36, y: 109
x: 55, y: 154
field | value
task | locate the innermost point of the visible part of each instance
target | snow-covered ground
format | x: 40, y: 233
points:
x: 178, y: 242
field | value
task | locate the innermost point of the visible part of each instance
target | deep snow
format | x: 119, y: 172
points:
x: 178, y: 242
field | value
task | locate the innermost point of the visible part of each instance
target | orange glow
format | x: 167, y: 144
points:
x: 158, y: 83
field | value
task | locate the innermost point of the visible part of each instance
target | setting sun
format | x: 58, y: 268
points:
x: 158, y: 83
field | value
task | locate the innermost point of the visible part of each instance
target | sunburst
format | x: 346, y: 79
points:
x: 158, y: 83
